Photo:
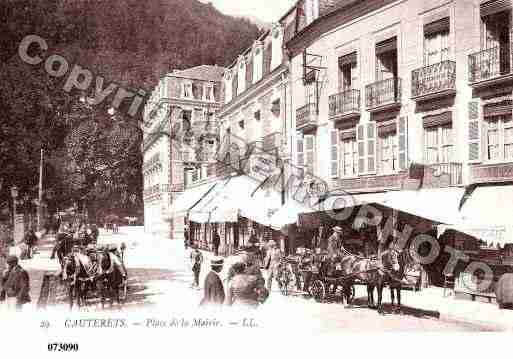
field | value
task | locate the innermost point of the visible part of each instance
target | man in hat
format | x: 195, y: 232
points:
x: 335, y: 241
x: 216, y: 241
x: 272, y: 261
x: 15, y: 285
x: 196, y: 260
x: 213, y: 289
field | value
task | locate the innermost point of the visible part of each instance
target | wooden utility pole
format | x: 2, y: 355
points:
x: 40, y: 194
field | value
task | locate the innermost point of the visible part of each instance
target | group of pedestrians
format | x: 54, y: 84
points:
x: 245, y: 283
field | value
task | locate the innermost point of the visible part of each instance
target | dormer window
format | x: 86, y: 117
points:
x: 311, y: 10
x: 208, y: 92
x: 277, y: 43
x: 187, y: 89
x: 241, y: 78
x: 258, y: 63
x: 228, y: 86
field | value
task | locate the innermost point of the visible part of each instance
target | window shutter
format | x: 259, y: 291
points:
x: 474, y: 135
x: 300, y: 152
x: 360, y: 139
x: 310, y: 153
x: 371, y: 147
x: 334, y: 159
x: 402, y: 136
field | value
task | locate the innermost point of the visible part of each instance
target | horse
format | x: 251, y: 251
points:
x: 81, y: 271
x: 63, y: 247
x: 112, y: 275
x: 375, y: 274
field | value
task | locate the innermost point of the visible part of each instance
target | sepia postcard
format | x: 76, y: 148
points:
x: 243, y: 178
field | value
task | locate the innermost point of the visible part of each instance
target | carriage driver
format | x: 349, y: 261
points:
x: 335, y: 242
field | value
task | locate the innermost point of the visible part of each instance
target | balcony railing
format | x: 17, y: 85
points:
x: 152, y: 162
x: 382, y: 93
x: 450, y: 174
x: 490, y: 63
x: 437, y: 78
x: 344, y: 103
x: 306, y: 116
x: 150, y: 191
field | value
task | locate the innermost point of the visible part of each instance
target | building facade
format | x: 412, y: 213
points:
x: 180, y: 136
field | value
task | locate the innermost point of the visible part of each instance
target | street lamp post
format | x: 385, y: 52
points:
x: 14, y: 195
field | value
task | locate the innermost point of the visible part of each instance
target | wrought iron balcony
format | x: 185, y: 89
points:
x: 306, y: 117
x: 150, y: 191
x: 434, y: 80
x: 448, y: 174
x: 490, y: 64
x: 383, y: 95
x: 344, y: 105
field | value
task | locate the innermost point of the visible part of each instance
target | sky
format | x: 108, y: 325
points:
x: 265, y: 10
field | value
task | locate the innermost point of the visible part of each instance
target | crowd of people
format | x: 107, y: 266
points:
x: 245, y: 283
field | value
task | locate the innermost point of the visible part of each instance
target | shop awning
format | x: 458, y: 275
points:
x: 189, y: 198
x: 238, y: 196
x: 438, y: 204
x: 288, y: 214
x: 487, y: 215
x: 311, y: 219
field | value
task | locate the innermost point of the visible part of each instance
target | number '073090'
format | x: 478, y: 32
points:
x: 62, y: 347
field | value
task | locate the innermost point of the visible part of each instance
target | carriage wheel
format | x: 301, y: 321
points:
x: 318, y: 291
x: 284, y: 281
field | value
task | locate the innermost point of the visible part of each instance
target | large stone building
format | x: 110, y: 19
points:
x: 178, y: 123
x: 405, y: 104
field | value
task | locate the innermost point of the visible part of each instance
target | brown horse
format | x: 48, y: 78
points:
x: 376, y: 274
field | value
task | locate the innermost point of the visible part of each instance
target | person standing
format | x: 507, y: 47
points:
x: 214, y: 289
x: 30, y: 240
x: 15, y: 285
x: 272, y: 261
x: 196, y: 260
x: 216, y: 241
x: 186, y: 237
x: 335, y: 241
x: 253, y: 240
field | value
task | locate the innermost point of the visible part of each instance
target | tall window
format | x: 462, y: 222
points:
x: 386, y: 59
x: 208, y: 92
x: 228, y: 88
x: 349, y: 152
x: 496, y: 39
x: 258, y: 64
x: 387, y: 144
x: 499, y: 137
x: 438, y: 144
x: 276, y: 47
x: 496, y: 30
x: 241, y: 78
x: 348, y: 73
x: 187, y: 89
x: 311, y: 92
x: 436, y: 42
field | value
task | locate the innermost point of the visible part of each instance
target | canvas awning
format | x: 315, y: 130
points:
x: 288, y: 214
x: 487, y: 215
x: 438, y: 204
x: 189, y: 198
x: 238, y: 196
x: 336, y: 203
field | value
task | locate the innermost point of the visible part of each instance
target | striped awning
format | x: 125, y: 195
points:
x: 494, y: 6
x: 386, y: 45
x: 347, y: 59
x: 438, y: 26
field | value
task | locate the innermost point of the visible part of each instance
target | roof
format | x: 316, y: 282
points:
x: 203, y: 72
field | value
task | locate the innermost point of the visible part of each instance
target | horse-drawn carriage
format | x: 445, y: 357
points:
x: 91, y: 270
x: 336, y: 275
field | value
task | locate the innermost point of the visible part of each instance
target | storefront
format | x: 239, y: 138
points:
x: 237, y: 207
x: 484, y: 231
